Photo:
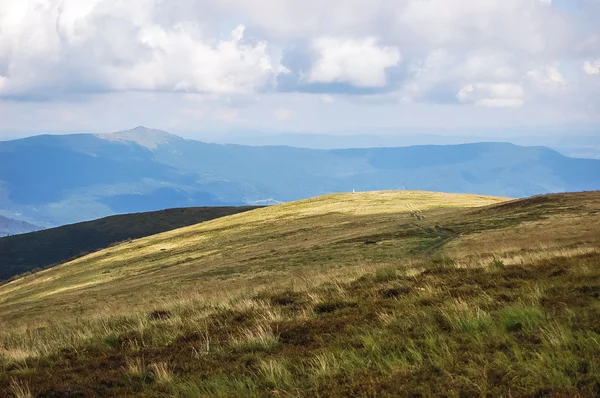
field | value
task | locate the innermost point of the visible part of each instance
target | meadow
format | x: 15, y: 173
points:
x: 367, y: 294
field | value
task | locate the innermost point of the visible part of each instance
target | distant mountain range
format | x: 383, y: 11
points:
x: 583, y: 143
x: 8, y: 226
x: 53, y: 180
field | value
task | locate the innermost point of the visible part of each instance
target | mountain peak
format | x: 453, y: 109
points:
x: 146, y: 137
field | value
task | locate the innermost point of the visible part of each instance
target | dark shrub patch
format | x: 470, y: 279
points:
x: 332, y: 306
x: 394, y: 292
x: 593, y: 291
x: 288, y: 298
x: 159, y: 315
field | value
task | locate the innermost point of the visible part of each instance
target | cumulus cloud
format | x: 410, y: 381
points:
x: 493, y: 95
x: 592, y: 67
x: 546, y: 81
x: 489, y: 53
x: 51, y: 47
x: 359, y: 62
x: 180, y: 62
x: 547, y: 74
x: 440, y: 73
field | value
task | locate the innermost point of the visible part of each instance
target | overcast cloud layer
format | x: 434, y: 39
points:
x: 289, y: 65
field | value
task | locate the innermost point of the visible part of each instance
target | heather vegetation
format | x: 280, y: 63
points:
x: 383, y: 293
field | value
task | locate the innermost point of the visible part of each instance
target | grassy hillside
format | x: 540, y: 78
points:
x: 342, y: 295
x: 23, y: 253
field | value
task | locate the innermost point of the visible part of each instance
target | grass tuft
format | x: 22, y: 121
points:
x: 385, y: 274
x: 324, y: 365
x: 20, y: 389
x: 517, y: 318
x: 276, y: 373
x: 161, y: 373
x: 136, y: 369
x: 259, y: 337
x: 497, y: 263
x: 462, y: 316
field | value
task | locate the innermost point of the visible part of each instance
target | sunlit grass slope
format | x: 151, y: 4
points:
x: 26, y: 252
x: 249, y: 249
x: 347, y: 294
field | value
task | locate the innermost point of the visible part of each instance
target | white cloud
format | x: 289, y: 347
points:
x: 592, y: 67
x: 442, y: 72
x: 359, y: 62
x: 180, y: 62
x: 223, y: 54
x: 548, y: 74
x: 546, y: 81
x: 493, y: 95
x: 51, y: 47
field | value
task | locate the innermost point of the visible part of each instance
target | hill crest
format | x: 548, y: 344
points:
x: 145, y: 137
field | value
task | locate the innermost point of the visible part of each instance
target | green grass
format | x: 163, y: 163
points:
x: 291, y: 301
x: 461, y: 316
x: 260, y: 337
x: 516, y: 318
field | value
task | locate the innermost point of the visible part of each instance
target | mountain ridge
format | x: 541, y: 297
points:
x: 9, y: 226
x: 54, y: 180
x: 146, y: 137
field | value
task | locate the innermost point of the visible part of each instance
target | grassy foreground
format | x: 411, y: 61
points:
x: 383, y: 293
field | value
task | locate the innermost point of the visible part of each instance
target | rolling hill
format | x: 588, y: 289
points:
x: 24, y: 253
x: 387, y: 293
x: 55, y: 180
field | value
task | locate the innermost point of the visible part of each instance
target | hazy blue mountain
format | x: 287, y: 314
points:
x: 8, y: 226
x: 53, y: 180
x: 572, y: 141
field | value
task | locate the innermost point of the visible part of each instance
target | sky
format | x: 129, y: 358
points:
x: 201, y: 67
